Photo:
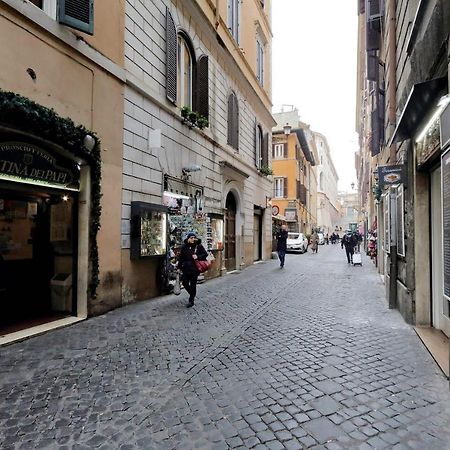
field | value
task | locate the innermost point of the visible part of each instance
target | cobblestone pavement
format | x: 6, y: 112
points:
x: 304, y: 357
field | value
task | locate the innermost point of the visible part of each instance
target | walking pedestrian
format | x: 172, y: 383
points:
x: 349, y: 242
x: 314, y: 241
x: 191, y: 251
x: 281, y: 244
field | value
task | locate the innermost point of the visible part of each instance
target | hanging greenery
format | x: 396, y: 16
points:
x: 23, y: 114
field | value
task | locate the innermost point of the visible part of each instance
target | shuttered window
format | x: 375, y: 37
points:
x: 278, y: 151
x: 171, y: 58
x: 202, y: 91
x: 260, y: 62
x: 234, y: 13
x: 78, y: 14
x: 280, y: 187
x: 233, y: 121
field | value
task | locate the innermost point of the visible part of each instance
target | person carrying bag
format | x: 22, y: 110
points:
x: 192, y: 252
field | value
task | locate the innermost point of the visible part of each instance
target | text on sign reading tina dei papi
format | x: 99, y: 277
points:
x: 27, y: 161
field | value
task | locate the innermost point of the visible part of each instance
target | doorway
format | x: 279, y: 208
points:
x: 230, y: 232
x: 38, y: 237
x: 440, y: 305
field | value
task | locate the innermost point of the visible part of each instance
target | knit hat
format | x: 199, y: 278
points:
x: 191, y: 234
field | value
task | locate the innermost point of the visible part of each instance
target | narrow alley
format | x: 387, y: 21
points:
x: 308, y: 356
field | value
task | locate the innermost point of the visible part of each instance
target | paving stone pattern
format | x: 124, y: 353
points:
x: 308, y: 356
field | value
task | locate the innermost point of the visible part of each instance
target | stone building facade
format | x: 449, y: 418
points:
x: 212, y: 59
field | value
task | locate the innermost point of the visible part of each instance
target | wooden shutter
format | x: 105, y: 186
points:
x: 285, y: 187
x: 233, y: 122
x: 372, y: 69
x: 171, y: 58
x: 78, y: 14
x: 285, y: 150
x: 265, y: 150
x: 203, y: 86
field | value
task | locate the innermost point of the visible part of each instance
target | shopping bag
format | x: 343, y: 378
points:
x: 202, y: 266
x: 177, y: 287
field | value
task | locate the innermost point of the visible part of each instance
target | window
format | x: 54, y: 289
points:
x: 321, y: 181
x: 233, y: 121
x: 184, y: 72
x: 260, y: 62
x: 278, y: 150
x: 258, y: 146
x: 77, y: 14
x: 187, y: 79
x: 280, y: 186
x: 233, y: 18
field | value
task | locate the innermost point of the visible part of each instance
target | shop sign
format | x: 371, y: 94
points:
x: 275, y: 210
x: 20, y: 161
x: 290, y: 215
x: 389, y: 175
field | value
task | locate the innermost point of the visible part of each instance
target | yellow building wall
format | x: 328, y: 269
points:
x: 78, y: 89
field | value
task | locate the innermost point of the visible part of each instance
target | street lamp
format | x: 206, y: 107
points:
x: 287, y: 129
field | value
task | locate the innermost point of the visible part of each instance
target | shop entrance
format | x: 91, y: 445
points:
x: 230, y: 232
x: 37, y: 255
x: 257, y: 234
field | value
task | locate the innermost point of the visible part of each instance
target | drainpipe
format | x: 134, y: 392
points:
x: 392, y: 95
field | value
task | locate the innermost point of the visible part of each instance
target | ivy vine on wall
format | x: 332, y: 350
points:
x: 23, y: 114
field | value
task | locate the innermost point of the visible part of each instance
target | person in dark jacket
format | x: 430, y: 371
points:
x: 191, y: 251
x: 281, y: 244
x: 349, y: 242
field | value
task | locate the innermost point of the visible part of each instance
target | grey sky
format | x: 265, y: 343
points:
x: 314, y: 69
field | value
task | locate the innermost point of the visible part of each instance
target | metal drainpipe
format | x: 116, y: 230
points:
x: 392, y: 95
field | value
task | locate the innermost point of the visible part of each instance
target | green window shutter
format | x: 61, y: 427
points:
x: 233, y: 122
x: 171, y: 58
x: 203, y: 86
x: 78, y: 14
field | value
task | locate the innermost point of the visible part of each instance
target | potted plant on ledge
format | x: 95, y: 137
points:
x: 265, y: 170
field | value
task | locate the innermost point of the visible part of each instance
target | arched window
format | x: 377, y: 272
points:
x: 233, y: 121
x: 185, y: 68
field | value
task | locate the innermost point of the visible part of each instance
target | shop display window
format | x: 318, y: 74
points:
x: 148, y: 230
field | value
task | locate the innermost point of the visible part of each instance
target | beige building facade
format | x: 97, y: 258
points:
x: 60, y: 131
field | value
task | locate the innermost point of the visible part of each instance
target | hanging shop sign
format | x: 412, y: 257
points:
x: 27, y: 163
x: 389, y: 175
x: 275, y: 210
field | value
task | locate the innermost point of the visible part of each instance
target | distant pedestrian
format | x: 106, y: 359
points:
x: 349, y: 242
x: 281, y: 244
x: 314, y: 241
x: 327, y: 239
x: 191, y: 251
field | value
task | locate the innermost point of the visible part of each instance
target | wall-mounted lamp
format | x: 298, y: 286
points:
x: 186, y: 171
x: 89, y: 142
x: 352, y: 185
x: 287, y: 129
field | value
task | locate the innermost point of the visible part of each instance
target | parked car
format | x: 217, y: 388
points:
x: 297, y: 242
x: 321, y: 240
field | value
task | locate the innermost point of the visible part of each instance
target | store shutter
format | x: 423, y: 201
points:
x: 203, y: 86
x: 171, y: 58
x: 78, y: 14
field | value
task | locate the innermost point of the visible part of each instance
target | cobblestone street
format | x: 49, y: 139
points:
x: 305, y: 357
